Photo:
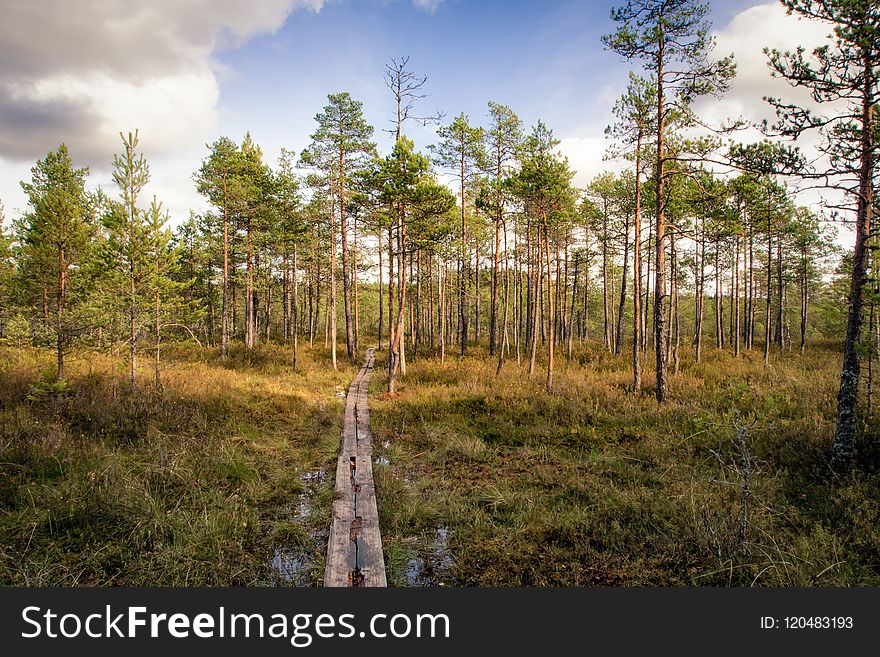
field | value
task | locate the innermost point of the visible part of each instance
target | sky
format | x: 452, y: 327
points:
x: 184, y: 72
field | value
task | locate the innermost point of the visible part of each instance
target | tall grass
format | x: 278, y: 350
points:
x: 102, y: 485
x: 596, y: 485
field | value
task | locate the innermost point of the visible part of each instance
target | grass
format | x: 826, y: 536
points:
x: 596, y: 485
x: 198, y: 484
x: 481, y: 481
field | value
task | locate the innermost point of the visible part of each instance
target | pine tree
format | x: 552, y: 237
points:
x: 56, y: 237
x: 544, y: 184
x: 502, y: 141
x: 634, y: 124
x: 399, y: 177
x: 843, y: 74
x: 163, y: 289
x: 219, y: 181
x: 671, y: 39
x: 197, y: 249
x: 255, y: 187
x: 128, y: 240
x: 7, y: 265
x: 462, y: 152
x: 291, y: 232
x: 344, y: 135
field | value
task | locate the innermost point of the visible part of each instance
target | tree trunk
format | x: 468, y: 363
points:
x: 249, y: 311
x: 869, y: 407
x: 847, y: 396
x: 750, y: 309
x: 285, y: 302
x: 618, y: 340
x: 736, y: 309
x: 646, y: 305
x: 59, y: 326
x: 804, y: 299
x: 477, y: 292
x: 132, y: 311
x: 551, y: 334
x: 574, y: 295
x: 587, y: 302
x: 605, y: 311
x: 719, y: 319
x: 416, y: 312
x: 224, y: 312
x: 397, y: 344
x: 295, y: 312
x: 430, y: 318
x: 530, y: 301
x: 535, y: 313
x: 390, y: 287
x: 504, y: 340
x: 331, y: 304
x: 676, y: 325
x: 441, y: 307
x: 354, y: 285
x: 493, y: 319
x: 780, y: 294
x: 660, y: 261
x: 314, y: 300
x: 346, y: 281
x: 701, y: 284
x: 157, y: 324
x: 463, y: 277
x: 637, y: 271
x: 769, y: 285
x: 381, y: 302
x: 517, y: 299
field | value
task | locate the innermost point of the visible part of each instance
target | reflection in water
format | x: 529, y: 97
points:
x: 431, y: 568
x: 293, y: 564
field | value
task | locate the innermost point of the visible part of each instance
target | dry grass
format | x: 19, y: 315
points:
x: 194, y: 485
x: 596, y: 485
x: 201, y: 483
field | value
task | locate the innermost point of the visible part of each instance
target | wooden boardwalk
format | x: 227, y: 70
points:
x: 354, y: 551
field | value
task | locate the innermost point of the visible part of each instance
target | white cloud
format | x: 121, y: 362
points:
x: 429, y: 6
x: 746, y: 36
x: 82, y: 74
x: 586, y: 157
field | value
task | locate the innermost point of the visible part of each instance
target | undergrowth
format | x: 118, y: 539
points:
x: 187, y: 485
x: 596, y: 485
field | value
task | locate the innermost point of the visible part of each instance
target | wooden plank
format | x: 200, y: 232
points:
x: 354, y: 550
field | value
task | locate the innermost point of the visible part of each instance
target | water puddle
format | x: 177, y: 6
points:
x: 292, y: 565
x: 432, y: 567
x: 314, y: 478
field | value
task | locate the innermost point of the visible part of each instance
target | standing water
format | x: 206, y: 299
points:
x: 293, y: 564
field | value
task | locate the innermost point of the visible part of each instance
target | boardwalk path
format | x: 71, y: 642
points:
x: 354, y: 551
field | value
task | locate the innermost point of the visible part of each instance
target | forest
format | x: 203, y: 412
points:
x: 666, y: 377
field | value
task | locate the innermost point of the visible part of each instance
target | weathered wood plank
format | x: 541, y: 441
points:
x: 354, y: 550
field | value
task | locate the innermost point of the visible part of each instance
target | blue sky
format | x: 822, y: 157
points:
x: 536, y: 57
x: 187, y: 71
x: 544, y: 59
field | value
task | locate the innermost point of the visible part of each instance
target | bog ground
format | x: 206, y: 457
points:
x: 638, y: 346
x: 225, y: 477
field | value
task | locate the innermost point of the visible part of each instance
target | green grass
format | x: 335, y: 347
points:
x: 195, y: 485
x: 595, y: 485
x: 480, y: 480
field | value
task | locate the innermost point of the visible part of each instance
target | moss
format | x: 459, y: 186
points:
x: 596, y: 485
x: 186, y: 486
